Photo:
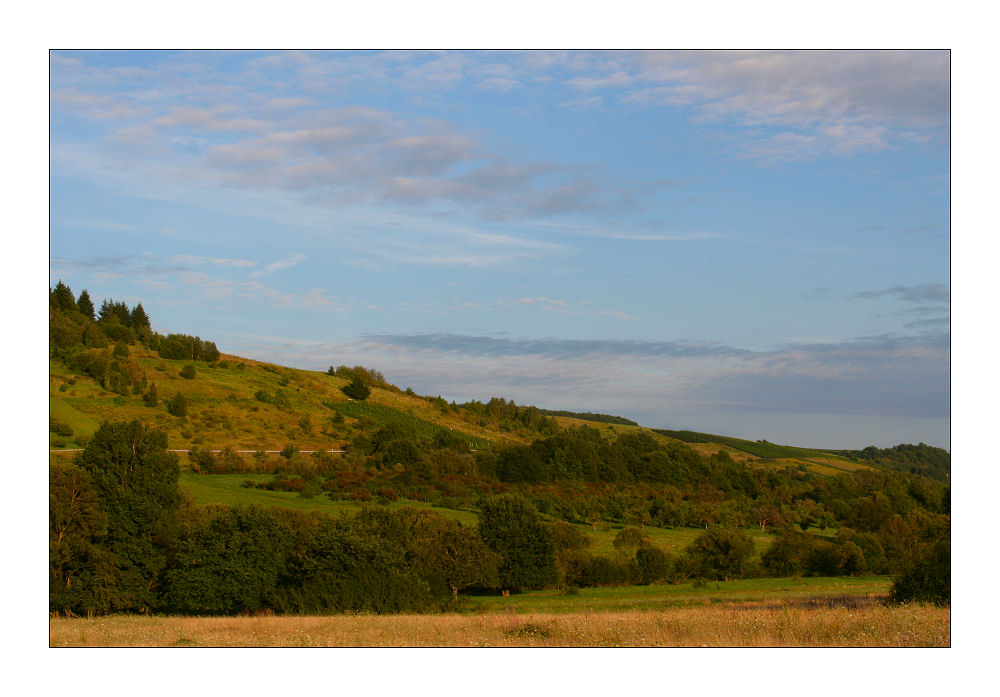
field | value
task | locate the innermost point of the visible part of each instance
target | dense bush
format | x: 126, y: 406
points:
x: 719, y: 553
x: 178, y: 405
x: 229, y: 563
x: 582, y: 570
x: 653, y: 565
x: 59, y: 428
x: 927, y: 577
x: 356, y: 389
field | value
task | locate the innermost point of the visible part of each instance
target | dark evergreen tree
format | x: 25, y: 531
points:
x: 151, y: 398
x: 85, y: 305
x: 62, y: 298
x: 138, y: 317
x: 178, y: 405
x: 356, y: 389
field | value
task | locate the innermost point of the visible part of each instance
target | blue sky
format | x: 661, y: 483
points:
x: 748, y: 243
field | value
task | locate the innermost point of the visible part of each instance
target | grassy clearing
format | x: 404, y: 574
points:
x: 728, y: 626
x: 384, y: 415
x: 672, y: 540
x: 661, y: 597
x: 229, y: 489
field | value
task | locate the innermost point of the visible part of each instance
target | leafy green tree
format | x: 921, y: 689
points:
x: 451, y: 556
x: 64, y: 332
x: 567, y: 536
x: 82, y: 574
x: 719, y: 553
x: 232, y: 562
x: 788, y: 555
x: 512, y: 528
x: 135, y: 479
x: 927, y: 577
x: 94, y: 337
x: 345, y: 568
x: 85, y: 305
x: 188, y: 372
x: 629, y: 539
x: 653, y: 564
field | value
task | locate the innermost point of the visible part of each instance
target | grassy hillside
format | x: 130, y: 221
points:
x: 244, y: 404
x: 225, y: 407
x: 762, y: 452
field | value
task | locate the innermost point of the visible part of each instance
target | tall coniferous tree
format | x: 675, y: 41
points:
x: 138, y: 317
x: 62, y: 297
x: 86, y: 305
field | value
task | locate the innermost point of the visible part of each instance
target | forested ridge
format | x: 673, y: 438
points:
x: 125, y: 537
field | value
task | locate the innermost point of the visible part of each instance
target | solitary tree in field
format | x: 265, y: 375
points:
x: 453, y: 556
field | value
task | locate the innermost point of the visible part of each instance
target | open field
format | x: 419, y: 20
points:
x: 229, y: 489
x: 717, y: 625
x: 861, y: 590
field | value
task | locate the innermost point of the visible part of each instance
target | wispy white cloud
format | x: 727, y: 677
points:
x: 927, y: 292
x: 820, y: 103
x: 228, y: 129
x: 905, y: 378
x: 280, y: 265
x: 199, y: 260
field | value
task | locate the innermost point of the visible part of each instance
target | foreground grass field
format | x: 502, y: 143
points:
x: 717, y: 625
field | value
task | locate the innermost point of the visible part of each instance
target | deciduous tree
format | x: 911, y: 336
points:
x: 511, y: 527
x: 135, y: 479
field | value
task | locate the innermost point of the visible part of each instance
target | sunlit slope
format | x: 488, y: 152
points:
x: 249, y: 405
x: 764, y: 453
x: 245, y: 404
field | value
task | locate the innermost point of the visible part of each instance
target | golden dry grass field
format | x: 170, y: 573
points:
x: 758, y: 625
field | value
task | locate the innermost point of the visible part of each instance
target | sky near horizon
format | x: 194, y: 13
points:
x: 754, y: 244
